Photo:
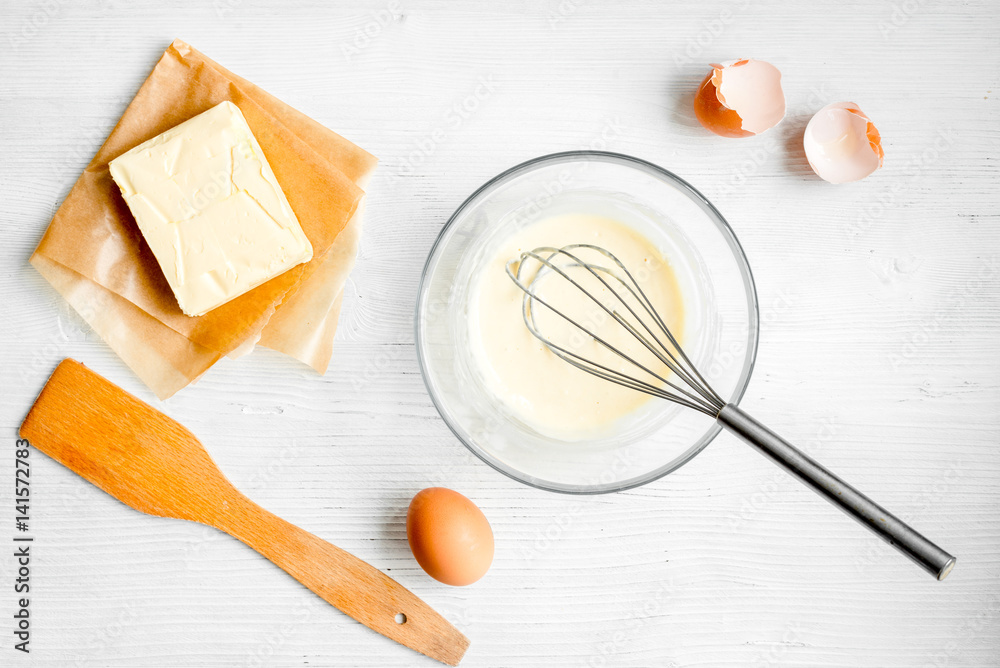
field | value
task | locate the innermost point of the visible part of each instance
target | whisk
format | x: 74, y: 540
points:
x: 680, y: 382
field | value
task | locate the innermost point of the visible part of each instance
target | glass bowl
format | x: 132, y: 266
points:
x: 720, y: 332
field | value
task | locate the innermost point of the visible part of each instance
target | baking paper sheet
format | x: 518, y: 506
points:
x: 93, y: 253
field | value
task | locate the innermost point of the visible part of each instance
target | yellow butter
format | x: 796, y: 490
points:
x: 210, y: 208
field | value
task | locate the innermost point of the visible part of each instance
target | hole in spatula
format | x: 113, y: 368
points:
x: 400, y: 618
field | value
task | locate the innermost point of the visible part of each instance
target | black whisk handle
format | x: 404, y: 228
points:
x: 886, y: 526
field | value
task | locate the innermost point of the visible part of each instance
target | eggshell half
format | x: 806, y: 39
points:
x: 842, y: 144
x: 741, y: 98
x: 449, y: 536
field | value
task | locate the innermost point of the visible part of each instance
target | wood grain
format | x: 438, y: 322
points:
x: 153, y: 464
x: 880, y: 314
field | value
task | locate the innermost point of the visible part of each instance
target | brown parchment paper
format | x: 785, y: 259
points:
x: 163, y: 359
x: 305, y: 324
x: 94, y: 256
x: 94, y: 234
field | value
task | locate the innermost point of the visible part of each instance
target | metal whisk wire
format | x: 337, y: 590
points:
x: 699, y: 395
x: 696, y: 393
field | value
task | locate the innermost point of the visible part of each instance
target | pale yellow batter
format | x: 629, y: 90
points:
x: 542, y: 390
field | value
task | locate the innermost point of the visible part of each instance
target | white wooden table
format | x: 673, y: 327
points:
x: 880, y: 303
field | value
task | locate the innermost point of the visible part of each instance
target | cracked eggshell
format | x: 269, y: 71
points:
x: 842, y: 144
x: 741, y: 98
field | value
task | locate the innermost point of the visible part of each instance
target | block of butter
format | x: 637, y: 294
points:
x: 210, y: 208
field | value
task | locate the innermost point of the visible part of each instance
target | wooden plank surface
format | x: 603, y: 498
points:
x: 880, y: 304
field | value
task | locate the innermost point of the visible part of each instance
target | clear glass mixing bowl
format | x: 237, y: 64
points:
x: 720, y: 331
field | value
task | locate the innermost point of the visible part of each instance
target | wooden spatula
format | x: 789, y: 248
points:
x: 150, y: 462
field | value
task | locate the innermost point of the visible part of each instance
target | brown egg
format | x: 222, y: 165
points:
x: 449, y: 536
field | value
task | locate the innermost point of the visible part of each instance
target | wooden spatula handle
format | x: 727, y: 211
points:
x: 344, y: 581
